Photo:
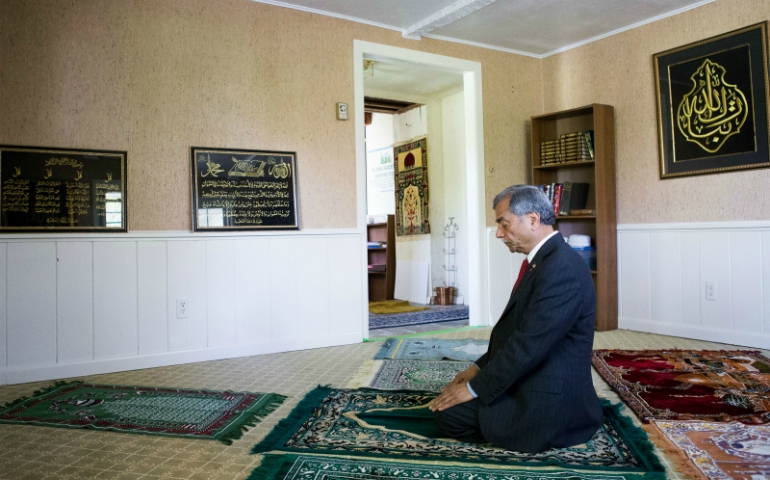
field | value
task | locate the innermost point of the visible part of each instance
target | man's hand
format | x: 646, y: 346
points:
x: 463, y: 377
x: 453, y: 394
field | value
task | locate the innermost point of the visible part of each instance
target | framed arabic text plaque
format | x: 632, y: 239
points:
x: 713, y: 104
x: 57, y: 189
x: 244, y: 189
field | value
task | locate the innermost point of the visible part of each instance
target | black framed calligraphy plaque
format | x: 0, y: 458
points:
x: 713, y: 104
x: 59, y: 189
x: 244, y: 189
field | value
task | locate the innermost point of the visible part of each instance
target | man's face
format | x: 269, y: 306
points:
x: 514, y: 233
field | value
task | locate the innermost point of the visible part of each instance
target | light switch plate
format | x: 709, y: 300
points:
x: 342, y: 111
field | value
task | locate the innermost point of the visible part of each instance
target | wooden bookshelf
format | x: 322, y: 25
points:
x: 600, y: 175
x: 382, y: 283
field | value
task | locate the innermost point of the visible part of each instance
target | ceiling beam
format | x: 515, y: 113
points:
x: 444, y: 17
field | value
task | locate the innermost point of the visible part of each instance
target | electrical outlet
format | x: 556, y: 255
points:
x: 711, y: 290
x: 182, y: 308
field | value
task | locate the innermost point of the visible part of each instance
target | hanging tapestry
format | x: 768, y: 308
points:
x: 190, y: 413
x: 706, y: 385
x: 712, y: 450
x: 412, y: 187
x: 398, y: 424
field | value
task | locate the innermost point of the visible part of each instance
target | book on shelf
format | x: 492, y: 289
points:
x: 588, y: 135
x: 376, y: 268
x: 583, y: 211
x: 578, y: 196
x: 554, y: 192
x: 566, y: 193
x: 574, y: 196
x: 376, y: 245
x: 556, y: 202
x: 570, y: 147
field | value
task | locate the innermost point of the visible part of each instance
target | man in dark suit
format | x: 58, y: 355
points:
x: 532, y: 390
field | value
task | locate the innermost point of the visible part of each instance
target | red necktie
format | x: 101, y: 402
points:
x: 522, y: 271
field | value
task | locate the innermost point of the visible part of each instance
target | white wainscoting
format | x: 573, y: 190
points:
x: 85, y: 304
x: 663, y: 269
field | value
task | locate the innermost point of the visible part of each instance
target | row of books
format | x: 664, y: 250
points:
x: 567, y: 198
x: 570, y: 147
x: 376, y: 245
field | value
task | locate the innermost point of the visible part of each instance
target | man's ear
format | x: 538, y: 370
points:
x: 534, y: 220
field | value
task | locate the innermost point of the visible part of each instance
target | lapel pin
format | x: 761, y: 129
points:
x: 533, y: 266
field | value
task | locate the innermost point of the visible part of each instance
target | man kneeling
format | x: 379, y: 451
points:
x: 532, y: 390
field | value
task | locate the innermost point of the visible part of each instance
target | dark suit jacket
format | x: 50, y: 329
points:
x: 534, y: 386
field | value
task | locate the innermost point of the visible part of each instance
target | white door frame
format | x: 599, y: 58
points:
x: 474, y: 167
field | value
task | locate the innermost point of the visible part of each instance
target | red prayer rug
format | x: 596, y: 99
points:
x: 705, y: 385
x: 715, y: 450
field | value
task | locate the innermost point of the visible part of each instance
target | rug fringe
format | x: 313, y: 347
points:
x: 364, y: 374
x: 678, y: 458
x: 236, y: 432
x: 636, y: 439
x: 42, y: 391
x: 301, y: 411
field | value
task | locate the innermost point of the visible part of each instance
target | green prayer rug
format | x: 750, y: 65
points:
x: 174, y: 412
x: 416, y: 374
x: 302, y: 467
x: 398, y: 424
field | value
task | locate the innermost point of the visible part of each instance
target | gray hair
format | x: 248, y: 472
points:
x: 526, y: 199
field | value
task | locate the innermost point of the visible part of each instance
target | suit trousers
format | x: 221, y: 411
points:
x: 461, y: 422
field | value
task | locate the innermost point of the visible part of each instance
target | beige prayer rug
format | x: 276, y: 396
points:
x: 715, y: 450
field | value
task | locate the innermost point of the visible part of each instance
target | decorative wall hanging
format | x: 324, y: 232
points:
x: 244, y: 189
x: 713, y: 104
x: 412, y: 187
x: 60, y: 189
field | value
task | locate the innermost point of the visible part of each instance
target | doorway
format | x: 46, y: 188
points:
x: 470, y: 170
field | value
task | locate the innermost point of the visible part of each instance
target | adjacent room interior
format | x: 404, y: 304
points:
x: 406, y: 103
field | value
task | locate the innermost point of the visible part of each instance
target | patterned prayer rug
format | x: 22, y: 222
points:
x: 435, y: 314
x: 172, y: 412
x: 398, y: 424
x: 715, y: 450
x: 707, y: 385
x: 301, y: 467
x: 416, y: 374
x: 464, y: 350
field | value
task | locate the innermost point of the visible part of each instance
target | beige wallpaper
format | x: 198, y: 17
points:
x: 619, y: 71
x: 155, y: 77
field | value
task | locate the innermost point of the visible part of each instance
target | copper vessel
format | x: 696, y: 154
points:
x: 445, y: 295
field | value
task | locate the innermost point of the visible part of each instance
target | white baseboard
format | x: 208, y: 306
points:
x: 697, y: 332
x: 36, y: 373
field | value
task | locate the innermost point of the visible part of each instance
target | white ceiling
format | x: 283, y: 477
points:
x: 406, y: 81
x: 536, y: 28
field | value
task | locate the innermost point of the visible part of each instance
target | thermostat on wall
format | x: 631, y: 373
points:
x: 342, y: 111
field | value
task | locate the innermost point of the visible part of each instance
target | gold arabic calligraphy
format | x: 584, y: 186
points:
x: 713, y: 110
